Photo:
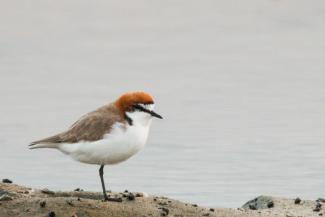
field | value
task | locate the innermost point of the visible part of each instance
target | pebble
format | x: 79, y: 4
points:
x: 211, y: 209
x: 206, y: 214
x: 131, y: 196
x: 69, y: 202
x: 322, y: 200
x: 78, y: 189
x: 42, y: 203
x: 252, y: 207
x: 318, y: 207
x: 297, y: 200
x: 195, y: 205
x: 47, y: 191
x: 165, y: 211
x: 6, y: 181
x: 162, y: 203
x: 51, y: 214
x: 139, y: 194
x: 270, y: 204
x: 5, y: 197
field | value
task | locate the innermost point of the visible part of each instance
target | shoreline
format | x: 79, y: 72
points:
x: 18, y: 200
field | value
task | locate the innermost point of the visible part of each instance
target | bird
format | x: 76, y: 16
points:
x: 108, y: 135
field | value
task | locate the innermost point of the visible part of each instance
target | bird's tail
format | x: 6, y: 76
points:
x: 43, y: 145
x: 50, y: 142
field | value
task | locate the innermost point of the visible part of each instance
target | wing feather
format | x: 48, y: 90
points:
x: 90, y: 127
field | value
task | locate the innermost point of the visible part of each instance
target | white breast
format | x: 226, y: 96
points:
x: 120, y: 144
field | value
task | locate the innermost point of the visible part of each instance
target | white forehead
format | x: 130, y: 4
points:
x: 150, y: 107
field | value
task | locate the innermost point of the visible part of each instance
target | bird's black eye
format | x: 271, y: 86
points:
x: 137, y: 107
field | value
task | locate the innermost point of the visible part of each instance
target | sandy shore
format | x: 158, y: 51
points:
x: 23, y: 201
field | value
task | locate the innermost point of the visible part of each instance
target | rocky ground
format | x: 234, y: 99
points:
x: 22, y: 201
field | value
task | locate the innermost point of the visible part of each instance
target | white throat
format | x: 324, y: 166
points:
x: 140, y: 117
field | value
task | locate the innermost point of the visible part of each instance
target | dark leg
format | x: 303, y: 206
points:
x: 106, y: 198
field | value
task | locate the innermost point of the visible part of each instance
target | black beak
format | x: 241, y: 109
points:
x: 154, y: 114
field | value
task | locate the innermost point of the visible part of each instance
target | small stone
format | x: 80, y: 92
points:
x: 162, y: 203
x: 155, y: 199
x: 252, y: 207
x: 5, y: 197
x: 42, y: 203
x: 261, y: 202
x: 78, y: 189
x: 6, y: 181
x: 131, y: 196
x: 195, y: 205
x: 297, y: 200
x: 139, y: 194
x: 320, y: 214
x: 126, y: 191
x: 270, y: 204
x: 165, y: 211
x: 51, y: 214
x: 206, y: 214
x: 318, y: 207
x: 211, y: 209
x: 69, y: 202
x: 47, y: 191
x: 322, y: 200
x: 79, y: 199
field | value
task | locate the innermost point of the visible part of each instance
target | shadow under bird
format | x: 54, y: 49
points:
x: 109, y: 135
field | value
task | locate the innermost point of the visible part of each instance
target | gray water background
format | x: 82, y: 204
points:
x: 241, y: 85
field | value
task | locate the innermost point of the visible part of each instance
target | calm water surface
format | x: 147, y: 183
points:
x: 241, y: 85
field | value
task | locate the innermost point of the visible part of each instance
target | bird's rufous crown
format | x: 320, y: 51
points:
x: 125, y: 102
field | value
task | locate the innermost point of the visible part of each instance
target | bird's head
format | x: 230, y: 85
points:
x: 136, y: 104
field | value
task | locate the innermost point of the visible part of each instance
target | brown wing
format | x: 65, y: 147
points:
x: 91, y: 127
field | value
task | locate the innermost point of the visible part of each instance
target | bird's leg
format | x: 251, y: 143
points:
x: 101, y: 174
x: 106, y: 198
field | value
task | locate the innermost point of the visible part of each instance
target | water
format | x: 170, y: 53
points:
x: 240, y: 84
